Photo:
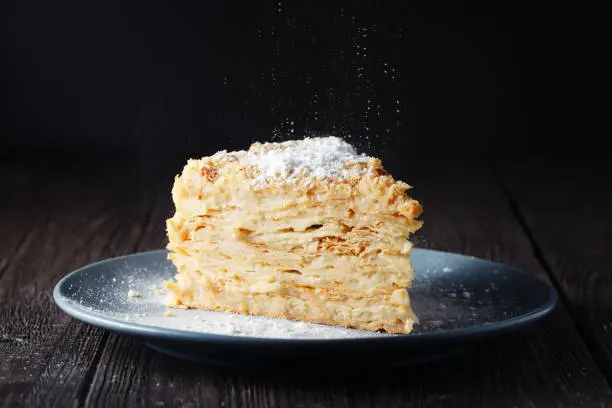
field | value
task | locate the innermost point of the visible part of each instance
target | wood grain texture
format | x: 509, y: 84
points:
x: 51, y: 224
x: 465, y: 211
x: 566, y: 207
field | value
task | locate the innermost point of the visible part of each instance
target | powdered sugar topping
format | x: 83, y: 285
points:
x: 320, y: 158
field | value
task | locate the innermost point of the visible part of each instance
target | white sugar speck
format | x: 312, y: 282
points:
x: 133, y: 293
x: 447, y: 269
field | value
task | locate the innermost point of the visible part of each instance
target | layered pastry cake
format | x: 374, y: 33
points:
x: 306, y: 230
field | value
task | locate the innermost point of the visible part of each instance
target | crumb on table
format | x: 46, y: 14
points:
x: 133, y: 293
x: 168, y: 313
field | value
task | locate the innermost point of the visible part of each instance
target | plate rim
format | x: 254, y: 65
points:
x: 71, y: 308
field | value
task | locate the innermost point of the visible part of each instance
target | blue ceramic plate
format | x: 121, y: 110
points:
x: 459, y: 300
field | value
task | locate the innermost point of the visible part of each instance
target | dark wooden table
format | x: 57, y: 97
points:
x: 549, y: 217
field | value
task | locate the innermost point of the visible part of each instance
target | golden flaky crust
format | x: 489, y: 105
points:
x: 295, y: 245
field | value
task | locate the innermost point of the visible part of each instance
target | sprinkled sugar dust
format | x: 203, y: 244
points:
x: 325, y: 75
x: 230, y: 324
x: 322, y: 158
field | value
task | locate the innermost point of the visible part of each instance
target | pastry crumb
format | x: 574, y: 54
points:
x: 133, y: 293
x: 168, y: 313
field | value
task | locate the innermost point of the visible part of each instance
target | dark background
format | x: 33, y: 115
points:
x: 155, y: 79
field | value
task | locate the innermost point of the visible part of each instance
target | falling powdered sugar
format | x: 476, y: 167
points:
x: 320, y: 158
